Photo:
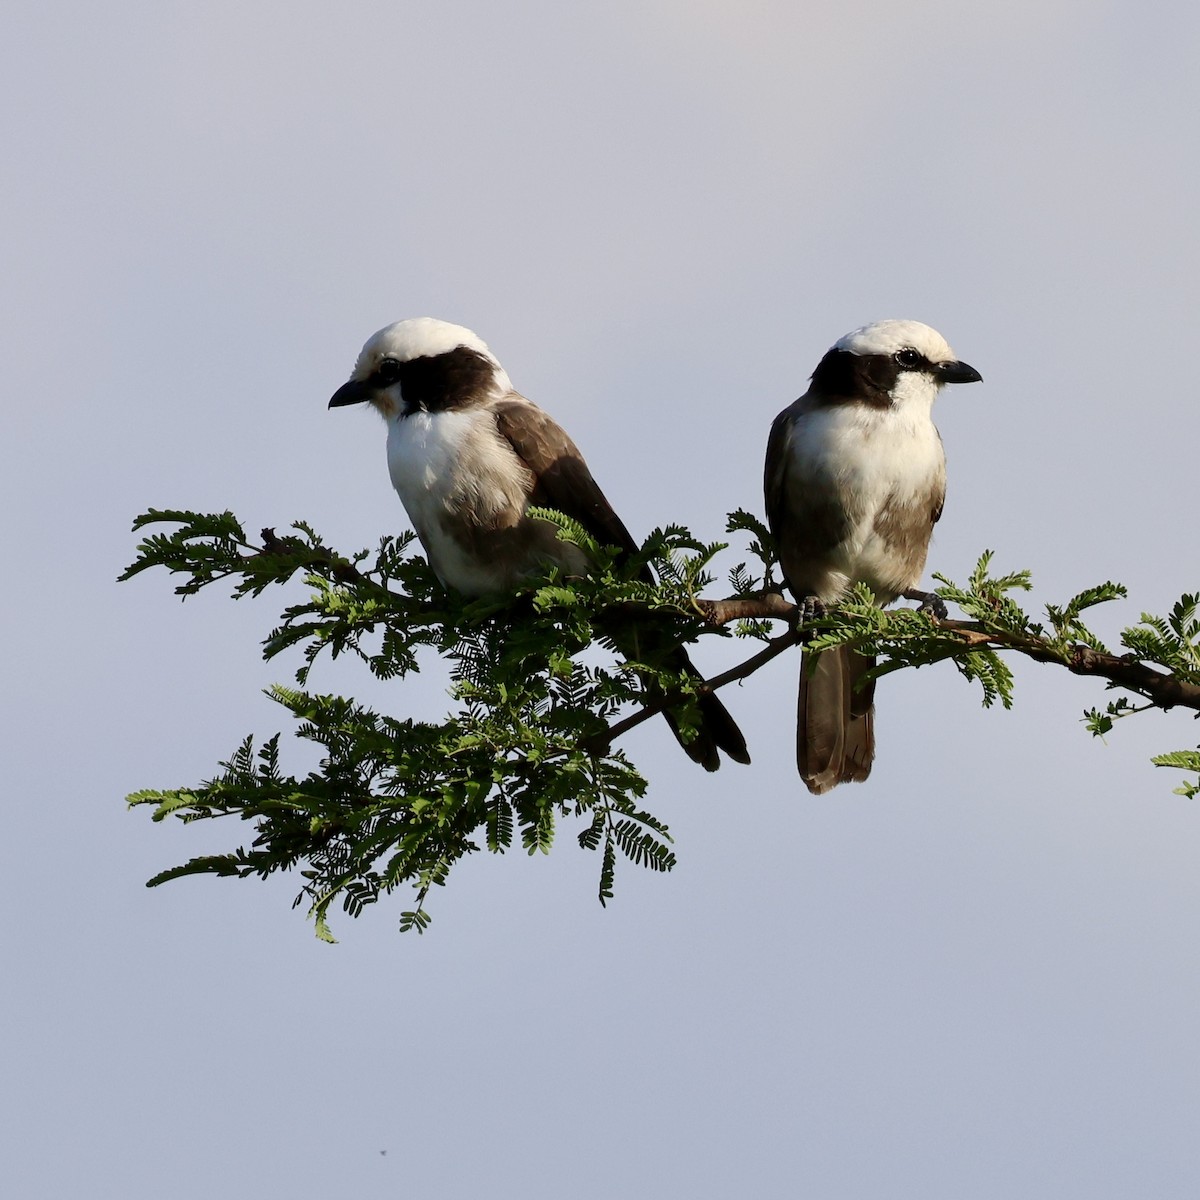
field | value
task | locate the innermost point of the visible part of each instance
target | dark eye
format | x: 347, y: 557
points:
x: 388, y: 371
x: 908, y: 358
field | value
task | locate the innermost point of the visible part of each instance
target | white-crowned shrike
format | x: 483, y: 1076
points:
x: 855, y: 480
x: 468, y: 456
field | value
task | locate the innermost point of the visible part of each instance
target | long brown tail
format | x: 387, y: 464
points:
x: 835, y: 724
x: 718, y: 730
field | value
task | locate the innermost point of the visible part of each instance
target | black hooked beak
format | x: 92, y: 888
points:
x: 357, y: 391
x: 956, y: 372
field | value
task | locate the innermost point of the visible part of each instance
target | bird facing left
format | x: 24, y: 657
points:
x: 468, y: 455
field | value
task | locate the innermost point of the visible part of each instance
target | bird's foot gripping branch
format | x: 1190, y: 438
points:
x: 532, y: 739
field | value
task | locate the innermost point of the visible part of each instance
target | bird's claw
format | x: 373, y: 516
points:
x: 931, y: 605
x: 809, y: 608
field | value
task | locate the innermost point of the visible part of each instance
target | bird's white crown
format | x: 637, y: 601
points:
x: 886, y: 337
x: 417, y: 337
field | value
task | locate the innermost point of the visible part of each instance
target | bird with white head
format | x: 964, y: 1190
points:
x: 855, y: 480
x: 468, y: 456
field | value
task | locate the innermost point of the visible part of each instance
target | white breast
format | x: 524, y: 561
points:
x: 426, y: 453
x: 452, y: 469
x: 867, y: 458
x: 867, y: 453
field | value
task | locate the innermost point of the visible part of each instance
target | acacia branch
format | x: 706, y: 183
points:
x: 1166, y: 691
x: 1161, y: 688
x: 764, y: 605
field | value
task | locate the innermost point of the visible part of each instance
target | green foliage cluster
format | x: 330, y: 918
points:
x: 399, y: 801
x: 530, y: 741
x: 1172, y: 643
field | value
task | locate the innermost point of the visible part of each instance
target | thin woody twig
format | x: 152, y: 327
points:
x: 1166, y: 691
x: 775, y: 647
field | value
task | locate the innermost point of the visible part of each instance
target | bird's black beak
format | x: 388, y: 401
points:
x: 354, y: 392
x: 957, y: 372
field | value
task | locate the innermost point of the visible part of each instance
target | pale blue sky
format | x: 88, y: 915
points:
x: 974, y: 976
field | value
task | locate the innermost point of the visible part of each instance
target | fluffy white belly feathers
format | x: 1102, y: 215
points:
x: 461, y: 483
x: 869, y: 464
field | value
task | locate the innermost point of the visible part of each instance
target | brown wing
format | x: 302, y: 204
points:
x: 806, y: 516
x: 775, y: 470
x: 561, y: 478
x: 938, y: 497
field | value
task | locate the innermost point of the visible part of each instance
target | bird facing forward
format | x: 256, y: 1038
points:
x: 855, y: 480
x: 468, y: 456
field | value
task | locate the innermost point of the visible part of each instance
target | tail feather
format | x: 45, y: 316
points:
x: 719, y: 723
x: 835, y: 724
x: 717, y: 729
